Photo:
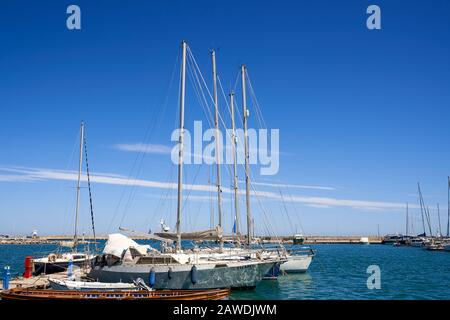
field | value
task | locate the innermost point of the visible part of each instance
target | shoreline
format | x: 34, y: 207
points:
x: 267, y: 240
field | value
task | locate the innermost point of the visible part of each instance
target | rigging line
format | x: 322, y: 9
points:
x: 71, y: 159
x: 286, y: 212
x: 254, y: 96
x: 201, y: 75
x: 202, y: 78
x: 149, y: 132
x: 296, y: 211
x: 190, y: 189
x: 205, y: 103
x: 164, y: 194
x: 268, y: 226
x: 130, y: 177
x: 198, y: 72
x: 90, y: 193
x: 198, y: 89
x: 238, y: 75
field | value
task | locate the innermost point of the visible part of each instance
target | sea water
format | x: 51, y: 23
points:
x: 337, y: 272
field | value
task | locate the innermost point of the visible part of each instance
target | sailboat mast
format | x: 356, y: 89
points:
x: 181, y: 142
x: 448, y: 206
x: 421, y: 207
x: 247, y: 179
x: 236, y: 204
x: 439, y: 220
x: 407, y: 219
x: 218, y: 151
x: 80, y: 162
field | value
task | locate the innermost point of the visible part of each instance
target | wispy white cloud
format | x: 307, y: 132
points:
x: 22, y: 174
x: 288, y: 185
x: 143, y: 147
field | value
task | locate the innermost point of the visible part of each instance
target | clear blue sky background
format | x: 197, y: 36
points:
x: 363, y: 112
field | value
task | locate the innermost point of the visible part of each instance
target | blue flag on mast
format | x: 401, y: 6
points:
x: 234, y: 225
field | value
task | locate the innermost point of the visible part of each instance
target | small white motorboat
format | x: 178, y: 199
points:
x: 67, y: 284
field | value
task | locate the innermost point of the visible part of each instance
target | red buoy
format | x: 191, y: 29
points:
x: 28, y: 267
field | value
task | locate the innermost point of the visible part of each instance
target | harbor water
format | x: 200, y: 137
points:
x: 337, y: 272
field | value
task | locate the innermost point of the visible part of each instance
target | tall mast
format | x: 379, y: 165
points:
x: 247, y: 179
x: 448, y: 206
x: 181, y: 142
x: 429, y: 220
x: 439, y: 220
x: 233, y: 127
x: 218, y: 152
x: 407, y: 218
x: 75, y: 237
x: 421, y: 207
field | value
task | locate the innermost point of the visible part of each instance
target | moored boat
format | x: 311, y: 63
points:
x: 73, y: 295
x: 58, y: 284
x: 298, y: 239
x: 297, y: 262
x: 58, y: 262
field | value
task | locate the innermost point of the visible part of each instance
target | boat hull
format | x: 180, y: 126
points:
x: 296, y: 264
x: 208, y: 276
x: 93, y: 295
x: 89, y: 286
x: 54, y: 267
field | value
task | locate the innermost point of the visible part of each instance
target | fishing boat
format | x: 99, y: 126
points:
x: 57, y: 262
x: 97, y: 295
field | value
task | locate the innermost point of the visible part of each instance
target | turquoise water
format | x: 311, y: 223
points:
x: 337, y: 272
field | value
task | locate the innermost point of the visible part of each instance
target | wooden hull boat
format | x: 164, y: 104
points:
x: 96, y: 295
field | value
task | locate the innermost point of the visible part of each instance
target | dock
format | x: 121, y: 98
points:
x: 284, y: 239
x: 40, y: 281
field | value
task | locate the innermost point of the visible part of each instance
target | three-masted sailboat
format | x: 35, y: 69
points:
x: 57, y: 262
x: 178, y: 268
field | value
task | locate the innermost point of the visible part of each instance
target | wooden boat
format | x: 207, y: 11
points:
x: 98, y: 295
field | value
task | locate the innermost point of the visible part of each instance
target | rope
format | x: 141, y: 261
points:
x: 90, y: 193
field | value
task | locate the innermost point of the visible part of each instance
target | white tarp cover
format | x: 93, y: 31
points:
x: 117, y: 243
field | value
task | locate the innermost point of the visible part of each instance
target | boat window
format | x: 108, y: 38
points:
x: 156, y: 260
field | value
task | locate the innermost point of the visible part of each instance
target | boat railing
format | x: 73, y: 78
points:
x: 301, y: 251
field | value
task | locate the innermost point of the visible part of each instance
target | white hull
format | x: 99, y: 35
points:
x: 296, y: 264
x: 57, y: 284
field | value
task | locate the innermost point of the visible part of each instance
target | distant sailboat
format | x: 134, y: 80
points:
x: 57, y: 262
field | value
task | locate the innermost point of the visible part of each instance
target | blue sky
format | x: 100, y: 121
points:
x: 363, y: 113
